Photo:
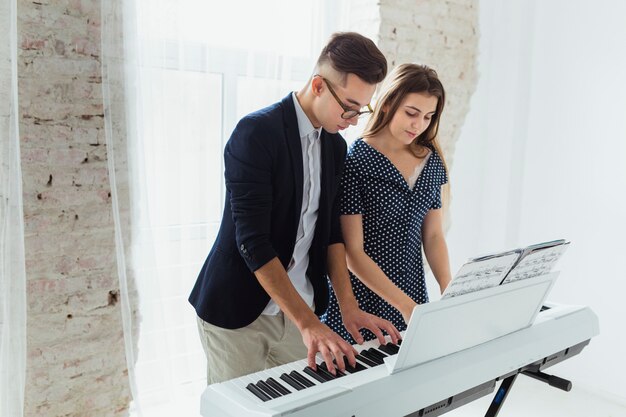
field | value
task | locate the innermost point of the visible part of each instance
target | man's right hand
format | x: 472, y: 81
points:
x: 320, y: 338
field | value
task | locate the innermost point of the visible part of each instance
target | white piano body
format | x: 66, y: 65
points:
x: 430, y: 388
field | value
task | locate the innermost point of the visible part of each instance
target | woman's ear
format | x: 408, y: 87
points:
x: 385, y: 108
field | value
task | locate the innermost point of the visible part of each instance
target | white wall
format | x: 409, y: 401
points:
x: 543, y: 156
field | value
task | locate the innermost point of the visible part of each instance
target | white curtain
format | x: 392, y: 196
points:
x: 12, y: 267
x: 177, y: 78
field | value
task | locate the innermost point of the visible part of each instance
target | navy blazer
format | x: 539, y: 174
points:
x: 264, y: 181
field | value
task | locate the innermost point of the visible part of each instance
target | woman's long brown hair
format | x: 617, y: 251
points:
x: 403, y: 80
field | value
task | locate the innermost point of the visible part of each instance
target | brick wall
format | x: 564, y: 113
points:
x: 442, y: 34
x: 76, y: 363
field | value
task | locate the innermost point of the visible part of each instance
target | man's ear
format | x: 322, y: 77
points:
x: 317, y: 85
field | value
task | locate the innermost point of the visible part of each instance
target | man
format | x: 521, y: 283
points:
x: 264, y: 280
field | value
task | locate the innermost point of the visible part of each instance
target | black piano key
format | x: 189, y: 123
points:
x: 318, y: 377
x: 369, y: 355
x: 373, y: 358
x: 393, y: 347
x: 260, y: 394
x: 399, y: 342
x: 389, y: 348
x: 301, y: 379
x: 325, y: 373
x: 365, y: 360
x: 277, y: 386
x: 267, y: 389
x: 353, y: 369
x: 377, y: 352
x: 385, y: 349
x: 384, y: 353
x: 324, y: 367
x: 292, y: 381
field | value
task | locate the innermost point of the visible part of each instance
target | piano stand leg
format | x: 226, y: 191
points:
x: 500, y: 396
x: 507, y: 383
x: 553, y: 381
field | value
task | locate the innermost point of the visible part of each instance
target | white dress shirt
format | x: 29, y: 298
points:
x: 311, y: 189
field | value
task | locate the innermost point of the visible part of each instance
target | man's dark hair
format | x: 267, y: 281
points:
x: 351, y: 52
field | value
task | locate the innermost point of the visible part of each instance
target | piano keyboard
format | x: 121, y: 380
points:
x: 429, y: 389
x: 297, y: 376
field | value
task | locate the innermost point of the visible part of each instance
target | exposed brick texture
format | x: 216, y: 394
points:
x: 76, y: 362
x: 442, y: 34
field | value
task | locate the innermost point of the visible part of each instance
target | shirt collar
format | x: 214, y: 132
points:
x: 305, y: 127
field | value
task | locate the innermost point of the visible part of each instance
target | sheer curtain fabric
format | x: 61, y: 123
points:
x: 178, y: 76
x: 12, y: 267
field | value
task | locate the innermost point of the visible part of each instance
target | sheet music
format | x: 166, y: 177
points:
x: 480, y: 273
x: 536, y: 263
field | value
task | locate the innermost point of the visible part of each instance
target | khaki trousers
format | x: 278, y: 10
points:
x: 267, y: 342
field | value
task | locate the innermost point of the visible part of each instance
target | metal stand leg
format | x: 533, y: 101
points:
x: 501, y: 395
x: 552, y: 380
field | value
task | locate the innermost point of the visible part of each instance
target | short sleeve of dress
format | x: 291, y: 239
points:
x: 352, y: 185
x: 440, y: 178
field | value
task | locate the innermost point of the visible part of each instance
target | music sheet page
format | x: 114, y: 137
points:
x: 481, y: 273
x: 536, y: 263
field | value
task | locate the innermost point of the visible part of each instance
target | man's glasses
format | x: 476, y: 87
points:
x: 348, y: 113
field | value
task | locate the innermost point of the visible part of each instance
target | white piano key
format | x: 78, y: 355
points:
x: 299, y: 365
x: 239, y: 382
x: 271, y: 373
x: 249, y: 379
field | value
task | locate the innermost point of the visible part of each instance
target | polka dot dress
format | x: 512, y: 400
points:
x: 393, y: 214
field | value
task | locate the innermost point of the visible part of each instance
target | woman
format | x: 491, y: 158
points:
x: 392, y: 203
